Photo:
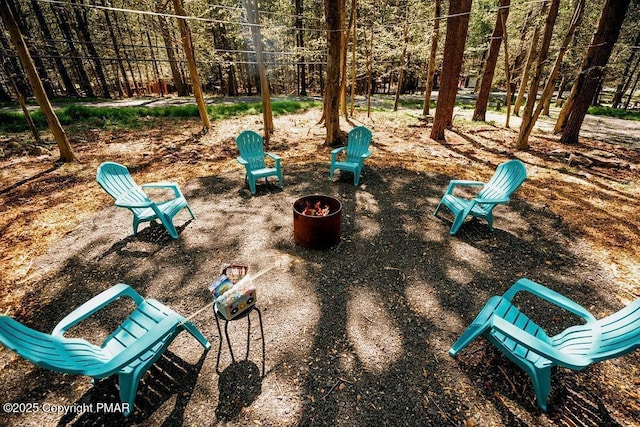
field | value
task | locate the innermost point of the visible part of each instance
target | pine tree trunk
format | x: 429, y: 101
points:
x: 626, y: 78
x: 21, y: 101
x: 507, y: 72
x: 156, y: 70
x: 369, y: 72
x: 178, y: 81
x: 267, y: 114
x: 63, y: 20
x: 457, y: 25
x: 334, y: 18
x: 528, y: 119
x: 403, y: 65
x: 116, y: 49
x: 191, y: 61
x: 633, y: 89
x: 431, y: 68
x: 561, y: 88
x: 480, y: 111
x: 52, y: 51
x: 547, y: 93
x: 127, y: 56
x: 628, y: 83
x: 14, y: 66
x: 593, y: 65
x: 19, y: 16
x: 66, y: 151
x: 524, y: 76
x: 354, y: 46
x: 83, y: 29
x: 343, y: 60
x: 301, y: 66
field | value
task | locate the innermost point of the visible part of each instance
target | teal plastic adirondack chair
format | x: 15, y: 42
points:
x: 128, y: 352
x: 357, y: 150
x: 252, y: 157
x: 529, y: 347
x: 116, y: 180
x: 506, y: 179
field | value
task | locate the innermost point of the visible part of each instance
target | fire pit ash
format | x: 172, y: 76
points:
x: 317, y: 221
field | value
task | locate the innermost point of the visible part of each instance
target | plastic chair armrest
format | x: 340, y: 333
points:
x: 460, y: 182
x: 95, y: 304
x: 242, y: 161
x: 335, y: 152
x: 538, y: 346
x: 275, y: 158
x: 548, y: 295
x: 172, y: 185
x: 365, y: 155
x: 126, y: 201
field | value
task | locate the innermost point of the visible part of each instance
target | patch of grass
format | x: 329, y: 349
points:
x: 615, y: 112
x: 140, y: 117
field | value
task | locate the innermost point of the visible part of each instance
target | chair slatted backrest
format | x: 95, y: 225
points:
x: 506, y: 179
x: 619, y: 333
x: 115, y: 179
x: 71, y: 356
x: 251, y: 148
x: 143, y: 319
x: 358, y: 142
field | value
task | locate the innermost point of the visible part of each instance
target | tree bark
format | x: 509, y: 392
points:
x: 52, y: 50
x: 83, y: 28
x: 19, y: 16
x: 403, y: 64
x: 21, y: 101
x: 63, y: 19
x: 191, y: 61
x: 369, y: 72
x: 116, y: 49
x: 301, y: 66
x: 457, y: 25
x: 127, y: 57
x: 628, y: 83
x: 592, y: 70
x: 507, y: 72
x: 633, y: 89
x: 625, y: 79
x: 545, y: 98
x: 178, y: 81
x: 431, y: 68
x: 334, y: 11
x: 343, y: 59
x: 548, y: 90
x: 66, y: 151
x: 480, y: 111
x: 267, y: 114
x: 527, y: 115
x: 354, y: 45
x: 524, y: 75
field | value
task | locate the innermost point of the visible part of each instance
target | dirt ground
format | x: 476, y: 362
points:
x: 356, y: 335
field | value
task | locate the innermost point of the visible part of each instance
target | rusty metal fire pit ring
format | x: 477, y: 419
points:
x: 317, y: 232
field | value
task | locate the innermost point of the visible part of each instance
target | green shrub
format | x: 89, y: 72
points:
x: 615, y: 112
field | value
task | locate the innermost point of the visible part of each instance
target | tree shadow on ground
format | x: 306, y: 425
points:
x: 390, y: 299
x: 169, y: 377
